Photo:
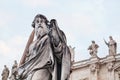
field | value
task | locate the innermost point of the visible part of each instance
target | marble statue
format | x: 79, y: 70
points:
x: 46, y: 56
x: 72, y: 51
x: 112, y: 45
x: 93, y: 48
x: 5, y: 73
x: 14, y: 71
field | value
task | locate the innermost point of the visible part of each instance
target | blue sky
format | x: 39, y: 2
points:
x: 81, y: 20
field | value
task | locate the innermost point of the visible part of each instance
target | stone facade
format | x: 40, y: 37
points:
x: 107, y: 68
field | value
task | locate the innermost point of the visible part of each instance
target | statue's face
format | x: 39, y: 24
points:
x: 40, y: 26
x: 110, y: 38
x: 38, y: 22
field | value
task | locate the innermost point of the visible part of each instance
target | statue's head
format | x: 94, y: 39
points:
x: 5, y: 66
x: 110, y: 37
x: 93, y: 41
x: 39, y: 18
x: 15, y: 61
x: 53, y: 22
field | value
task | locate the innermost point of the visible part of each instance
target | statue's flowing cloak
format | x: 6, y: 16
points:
x: 41, y: 57
x: 62, y: 55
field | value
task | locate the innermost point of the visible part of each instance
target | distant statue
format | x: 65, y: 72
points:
x: 14, y: 71
x: 46, y: 56
x: 93, y: 48
x: 5, y: 73
x: 112, y: 45
x: 72, y: 51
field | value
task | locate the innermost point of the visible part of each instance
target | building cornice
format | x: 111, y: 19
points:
x: 87, y: 62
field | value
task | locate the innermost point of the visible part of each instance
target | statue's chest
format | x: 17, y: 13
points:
x: 32, y: 48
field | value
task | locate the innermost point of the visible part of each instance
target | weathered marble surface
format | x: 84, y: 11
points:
x: 47, y: 57
x: 107, y: 68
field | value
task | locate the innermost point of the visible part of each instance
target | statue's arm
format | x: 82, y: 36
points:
x: 2, y: 73
x: 97, y: 46
x: 106, y: 43
x: 115, y: 43
x: 30, y: 40
x: 90, y: 47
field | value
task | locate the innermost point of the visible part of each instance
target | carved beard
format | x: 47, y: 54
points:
x: 41, y: 31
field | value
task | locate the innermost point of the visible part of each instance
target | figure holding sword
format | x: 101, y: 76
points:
x: 112, y: 45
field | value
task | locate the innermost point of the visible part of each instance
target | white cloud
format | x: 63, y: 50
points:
x: 18, y: 40
x: 4, y: 48
x: 36, y: 3
x: 12, y: 46
x: 10, y: 50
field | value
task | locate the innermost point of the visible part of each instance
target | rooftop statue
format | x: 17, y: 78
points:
x: 72, y: 51
x: 46, y: 56
x: 14, y: 71
x: 93, y: 48
x: 5, y: 73
x: 112, y: 45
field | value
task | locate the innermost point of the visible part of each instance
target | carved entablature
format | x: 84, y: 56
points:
x: 110, y: 66
x: 117, y: 70
x: 94, y: 67
x: 107, y: 68
x: 117, y: 67
x: 84, y: 79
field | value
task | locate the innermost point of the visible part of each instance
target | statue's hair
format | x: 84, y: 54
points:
x: 39, y: 16
x: 93, y: 41
x: 110, y: 36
